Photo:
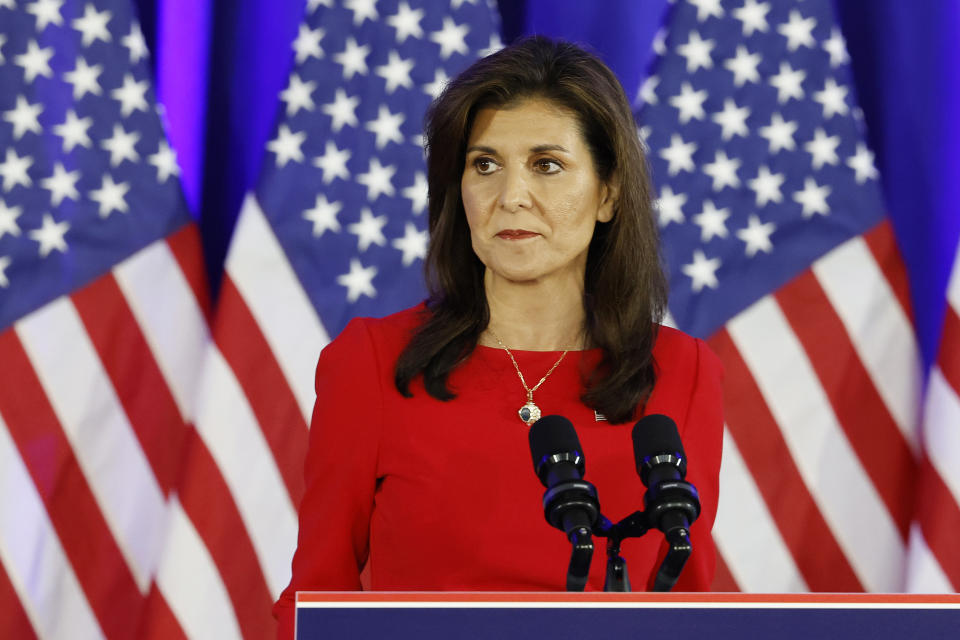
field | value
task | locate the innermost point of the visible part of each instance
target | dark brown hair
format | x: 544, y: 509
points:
x: 624, y: 286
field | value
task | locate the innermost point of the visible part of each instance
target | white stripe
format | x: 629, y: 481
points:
x: 924, y: 574
x: 32, y: 557
x: 228, y: 427
x: 746, y: 534
x: 191, y: 585
x: 953, y: 290
x: 170, y: 318
x: 879, y: 329
x: 941, y: 433
x: 259, y: 268
x: 828, y: 465
x: 99, y: 432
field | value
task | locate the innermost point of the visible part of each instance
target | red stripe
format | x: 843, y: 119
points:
x: 939, y: 517
x: 188, y: 252
x: 757, y: 435
x: 135, y: 376
x: 86, y: 539
x: 208, y: 503
x: 158, y: 621
x: 883, y: 245
x: 253, y: 363
x: 949, y: 360
x: 723, y: 580
x: 14, y: 622
x: 868, y: 425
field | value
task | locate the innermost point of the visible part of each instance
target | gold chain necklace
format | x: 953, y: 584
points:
x: 529, y: 412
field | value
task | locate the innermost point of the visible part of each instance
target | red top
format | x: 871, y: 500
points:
x: 434, y: 495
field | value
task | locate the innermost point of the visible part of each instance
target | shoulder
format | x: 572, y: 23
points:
x: 378, y: 339
x: 674, y: 348
x: 686, y: 369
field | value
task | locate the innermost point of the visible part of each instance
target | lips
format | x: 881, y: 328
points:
x: 516, y: 234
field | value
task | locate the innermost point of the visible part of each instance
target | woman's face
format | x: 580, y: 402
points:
x: 531, y: 193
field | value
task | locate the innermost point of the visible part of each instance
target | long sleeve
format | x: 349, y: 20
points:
x: 340, y: 472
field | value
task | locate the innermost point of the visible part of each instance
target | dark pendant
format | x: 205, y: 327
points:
x: 529, y: 413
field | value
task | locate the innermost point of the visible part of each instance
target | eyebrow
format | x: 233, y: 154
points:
x: 540, y: 148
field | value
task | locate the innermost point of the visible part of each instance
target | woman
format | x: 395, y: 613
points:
x: 544, y: 274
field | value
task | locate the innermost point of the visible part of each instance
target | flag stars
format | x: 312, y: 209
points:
x: 378, y: 180
x: 362, y: 10
x: 46, y: 12
x: 358, y: 281
x: 788, y: 83
x: 73, y: 130
x: 135, y: 43
x: 333, y: 163
x: 62, y: 184
x: 679, y: 155
x: 4, y: 263
x: 723, y: 170
x: 798, y: 31
x: 669, y: 206
x: 753, y: 15
x: 413, y: 244
x: 24, y: 117
x: 767, y: 186
x: 862, y: 164
x: 132, y: 95
x: 111, y: 196
x: 702, y: 271
x: 386, y: 127
x: 743, y: 66
x: 369, y: 230
x: 343, y: 110
x: 417, y: 193
x: 707, y: 9
x: 307, y: 43
x: 493, y: 45
x: 836, y: 46
x: 813, y: 198
x: 93, y: 25
x: 452, y: 38
x: 648, y: 90
x: 286, y: 145
x: 732, y: 120
x: 353, y: 59
x: 689, y: 103
x: 406, y: 22
x: 165, y: 161
x: 84, y: 78
x: 396, y: 72
x: 50, y: 236
x: 822, y: 149
x: 756, y: 236
x: 3, y: 41
x: 35, y: 61
x: 14, y: 170
x: 779, y: 134
x: 122, y: 145
x: 323, y: 215
x: 440, y: 80
x: 298, y: 95
x: 833, y: 98
x: 8, y: 219
x: 712, y: 221
x: 697, y: 52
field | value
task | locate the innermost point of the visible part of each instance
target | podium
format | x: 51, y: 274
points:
x: 583, y: 616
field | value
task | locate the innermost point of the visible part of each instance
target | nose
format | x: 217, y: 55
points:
x: 514, y: 191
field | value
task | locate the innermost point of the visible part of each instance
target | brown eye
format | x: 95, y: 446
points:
x: 547, y: 166
x: 484, y: 166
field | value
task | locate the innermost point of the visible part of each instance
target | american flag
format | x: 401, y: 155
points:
x: 779, y: 252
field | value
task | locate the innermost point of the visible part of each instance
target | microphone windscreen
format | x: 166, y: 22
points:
x: 552, y: 435
x: 655, y: 434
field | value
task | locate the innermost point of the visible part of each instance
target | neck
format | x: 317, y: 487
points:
x: 535, y: 316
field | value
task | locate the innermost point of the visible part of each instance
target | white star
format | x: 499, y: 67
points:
x: 669, y: 206
x: 307, y: 43
x: 440, y: 80
x: 3, y: 41
x: 757, y: 236
x: 359, y: 281
x: 323, y: 215
x: 14, y: 170
x: 313, y: 5
x: 723, y: 170
x: 4, y: 263
x: 8, y: 219
x: 406, y: 22
x: 767, y: 186
x: 648, y: 90
x: 110, y: 196
x: 707, y: 8
x: 413, y: 244
x: 743, y: 66
x: 50, y: 235
x: 353, y: 59
x: 135, y: 43
x: 343, y: 110
x: 362, y: 10
x: 10, y: 4
x: 297, y: 95
x: 287, y: 145
x: 46, y: 12
x: 659, y: 43
x: 386, y: 126
x: 702, y: 271
x: 369, y: 230
x: 62, y: 184
x: 833, y: 98
x: 396, y: 72
x: 333, y: 163
x: 679, y: 155
x: 74, y: 131
x: 836, y: 46
x: 84, y: 78
x: 697, y: 52
x: 452, y: 38
x: 712, y: 221
x: 378, y: 180
x: 788, y: 83
x: 753, y: 16
x: 862, y: 164
x: 417, y: 193
x: 132, y: 96
x: 689, y: 103
x: 121, y: 145
x: 732, y: 120
x: 813, y: 198
x: 798, y: 31
x: 493, y: 45
x: 35, y: 62
x: 93, y: 25
x: 23, y: 117
x: 780, y: 134
x: 165, y: 160
x: 823, y: 149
